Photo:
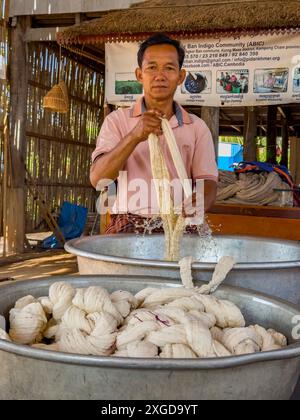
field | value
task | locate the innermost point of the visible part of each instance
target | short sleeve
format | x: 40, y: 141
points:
x: 204, y: 164
x: 109, y: 136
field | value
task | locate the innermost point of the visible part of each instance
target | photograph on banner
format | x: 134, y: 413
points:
x: 271, y: 80
x: 296, y: 81
x: 126, y: 84
x: 197, y: 82
x: 233, y: 81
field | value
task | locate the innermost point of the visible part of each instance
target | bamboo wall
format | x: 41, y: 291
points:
x: 4, y: 95
x: 59, y: 146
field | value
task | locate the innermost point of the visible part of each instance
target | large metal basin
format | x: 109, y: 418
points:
x: 264, y: 265
x: 28, y: 373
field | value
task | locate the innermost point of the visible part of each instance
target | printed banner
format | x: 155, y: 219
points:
x: 243, y: 71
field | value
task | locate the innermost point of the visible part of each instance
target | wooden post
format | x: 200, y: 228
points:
x: 104, y: 218
x: 5, y: 103
x: 5, y: 178
x: 250, y: 133
x: 79, y: 18
x: 295, y: 159
x: 15, y: 210
x: 285, y: 142
x: 211, y: 116
x: 272, y: 134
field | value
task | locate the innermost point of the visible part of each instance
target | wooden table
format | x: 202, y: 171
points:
x: 269, y: 222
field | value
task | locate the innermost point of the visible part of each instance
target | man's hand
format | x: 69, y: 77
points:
x: 193, y: 209
x: 109, y: 165
x: 200, y: 202
x: 150, y: 123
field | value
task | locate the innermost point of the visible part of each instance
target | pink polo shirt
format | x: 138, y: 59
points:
x: 195, y: 144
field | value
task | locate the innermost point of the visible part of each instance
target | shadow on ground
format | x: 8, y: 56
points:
x: 57, y: 265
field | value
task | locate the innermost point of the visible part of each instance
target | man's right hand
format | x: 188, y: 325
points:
x: 149, y: 123
x: 110, y: 163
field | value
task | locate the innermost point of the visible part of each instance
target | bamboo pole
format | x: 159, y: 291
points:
x: 6, y: 155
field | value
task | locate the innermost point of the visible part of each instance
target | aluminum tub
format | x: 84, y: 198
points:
x: 263, y: 265
x: 28, y: 373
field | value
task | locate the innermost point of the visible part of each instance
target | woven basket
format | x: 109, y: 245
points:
x: 57, y: 99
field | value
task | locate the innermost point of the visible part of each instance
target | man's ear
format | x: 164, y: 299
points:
x: 138, y: 75
x: 182, y: 75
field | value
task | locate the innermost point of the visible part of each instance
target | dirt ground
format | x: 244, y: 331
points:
x: 48, y: 263
x: 56, y: 265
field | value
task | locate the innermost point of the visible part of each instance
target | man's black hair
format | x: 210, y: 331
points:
x: 159, y: 39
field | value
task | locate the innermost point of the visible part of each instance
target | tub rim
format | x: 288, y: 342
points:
x: 71, y: 247
x: 290, y: 352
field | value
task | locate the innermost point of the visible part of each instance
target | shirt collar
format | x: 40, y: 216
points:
x: 182, y: 116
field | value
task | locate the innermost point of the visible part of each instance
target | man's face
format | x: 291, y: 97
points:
x: 160, y: 74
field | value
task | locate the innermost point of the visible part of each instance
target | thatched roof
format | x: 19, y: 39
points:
x: 187, y: 18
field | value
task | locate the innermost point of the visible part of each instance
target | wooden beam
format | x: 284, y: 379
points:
x: 232, y: 124
x: 211, y: 116
x: 292, y: 129
x: 282, y: 112
x: 295, y: 159
x: 59, y: 140
x: 271, y: 134
x: 60, y: 184
x: 250, y: 134
x: 46, y: 7
x: 223, y: 115
x: 257, y: 211
x: 265, y: 227
x: 238, y: 125
x: 236, y: 128
x: 263, y: 128
x: 15, y: 210
x: 42, y: 34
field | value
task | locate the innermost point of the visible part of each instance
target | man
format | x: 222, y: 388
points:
x: 122, y: 148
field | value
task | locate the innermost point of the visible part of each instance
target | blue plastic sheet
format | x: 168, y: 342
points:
x: 71, y: 222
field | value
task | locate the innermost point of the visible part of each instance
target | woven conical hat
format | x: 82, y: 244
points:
x: 57, y: 98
